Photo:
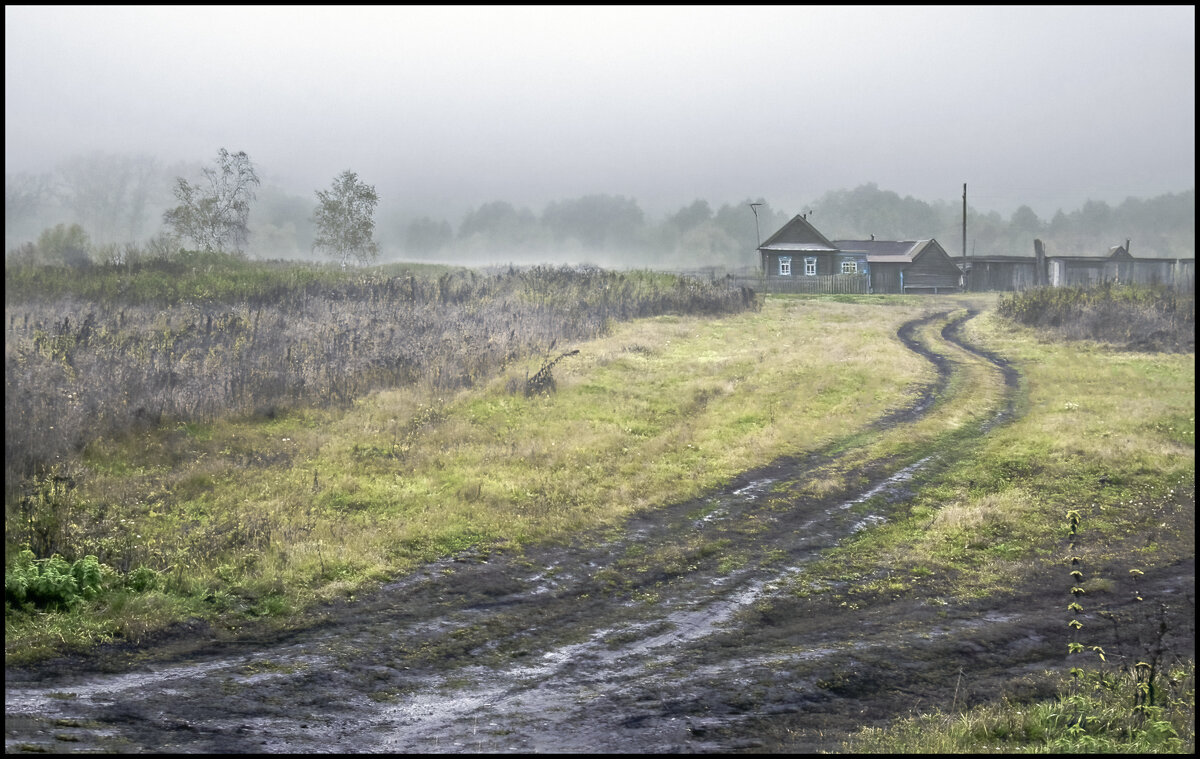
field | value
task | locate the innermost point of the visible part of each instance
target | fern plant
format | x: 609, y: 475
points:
x: 52, y: 583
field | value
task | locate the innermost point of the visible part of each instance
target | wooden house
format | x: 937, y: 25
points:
x: 798, y: 249
x: 798, y: 258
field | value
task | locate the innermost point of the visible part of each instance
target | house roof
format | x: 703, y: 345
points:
x: 1117, y: 251
x: 885, y: 251
x: 798, y: 235
x: 1022, y: 260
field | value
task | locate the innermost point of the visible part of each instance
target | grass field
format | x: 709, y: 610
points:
x: 258, y: 518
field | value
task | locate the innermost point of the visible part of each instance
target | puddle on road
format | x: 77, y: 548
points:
x: 101, y: 688
x: 581, y: 672
x: 890, y: 484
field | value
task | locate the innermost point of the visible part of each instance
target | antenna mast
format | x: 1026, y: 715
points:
x: 964, y: 220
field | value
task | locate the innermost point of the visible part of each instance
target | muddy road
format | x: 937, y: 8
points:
x: 670, y: 635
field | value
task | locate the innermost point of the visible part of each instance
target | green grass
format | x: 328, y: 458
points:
x: 253, y: 516
x: 1102, y: 430
x: 1094, y: 712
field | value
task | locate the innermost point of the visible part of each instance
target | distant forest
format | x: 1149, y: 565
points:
x: 97, y: 206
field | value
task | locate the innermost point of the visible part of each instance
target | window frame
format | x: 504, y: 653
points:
x: 785, y: 266
x: 810, y: 266
x: 850, y: 267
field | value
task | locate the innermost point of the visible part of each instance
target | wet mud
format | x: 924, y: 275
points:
x: 673, y: 634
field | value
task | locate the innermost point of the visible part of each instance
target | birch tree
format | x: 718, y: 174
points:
x: 216, y: 217
x: 345, y: 219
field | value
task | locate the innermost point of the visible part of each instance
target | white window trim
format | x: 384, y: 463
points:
x: 849, y: 267
x: 785, y: 266
x: 810, y: 267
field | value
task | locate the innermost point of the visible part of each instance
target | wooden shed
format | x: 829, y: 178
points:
x: 1003, y: 273
x: 1119, y: 267
x: 1016, y: 273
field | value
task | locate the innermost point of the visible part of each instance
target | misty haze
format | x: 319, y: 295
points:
x: 497, y: 135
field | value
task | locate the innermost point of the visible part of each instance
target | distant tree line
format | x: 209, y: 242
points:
x: 1160, y: 227
x: 92, y: 206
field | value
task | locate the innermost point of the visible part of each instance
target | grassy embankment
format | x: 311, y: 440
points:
x: 257, y: 518
x: 1107, y: 435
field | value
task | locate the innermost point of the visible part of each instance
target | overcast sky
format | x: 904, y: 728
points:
x: 445, y: 108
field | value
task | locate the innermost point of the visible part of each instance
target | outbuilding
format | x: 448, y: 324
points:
x: 907, y: 266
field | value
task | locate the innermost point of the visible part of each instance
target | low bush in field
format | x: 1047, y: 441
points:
x: 1139, y: 317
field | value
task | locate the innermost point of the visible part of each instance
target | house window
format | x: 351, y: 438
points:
x: 785, y: 266
x: 849, y: 267
x: 810, y: 267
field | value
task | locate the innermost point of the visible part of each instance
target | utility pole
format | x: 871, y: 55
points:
x: 964, y: 219
x: 758, y: 236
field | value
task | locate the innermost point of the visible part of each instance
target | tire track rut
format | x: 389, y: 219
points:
x: 584, y: 647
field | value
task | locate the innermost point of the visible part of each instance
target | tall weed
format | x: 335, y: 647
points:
x: 1139, y: 317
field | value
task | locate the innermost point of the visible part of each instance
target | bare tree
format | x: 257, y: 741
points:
x: 345, y: 219
x: 26, y: 198
x: 216, y: 216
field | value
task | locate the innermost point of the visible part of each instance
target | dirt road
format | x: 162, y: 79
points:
x: 648, y: 640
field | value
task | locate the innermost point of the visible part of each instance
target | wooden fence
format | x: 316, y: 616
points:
x: 852, y: 284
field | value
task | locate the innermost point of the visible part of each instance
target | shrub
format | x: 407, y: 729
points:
x: 52, y: 583
x: 1141, y: 317
x: 142, y: 579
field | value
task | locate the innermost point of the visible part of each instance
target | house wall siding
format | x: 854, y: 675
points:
x: 1075, y: 273
x: 1183, y: 275
x: 885, y: 278
x: 827, y: 264
x: 1014, y: 276
x: 987, y: 276
x: 1157, y: 272
x: 932, y: 272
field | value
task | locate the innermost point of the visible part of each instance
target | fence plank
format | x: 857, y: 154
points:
x: 852, y: 284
